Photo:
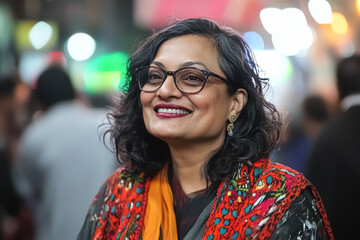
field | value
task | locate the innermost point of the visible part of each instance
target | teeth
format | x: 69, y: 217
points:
x: 172, y: 110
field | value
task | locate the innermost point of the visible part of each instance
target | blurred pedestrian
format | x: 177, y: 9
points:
x: 62, y: 161
x: 16, y: 221
x: 301, y: 134
x: 335, y: 161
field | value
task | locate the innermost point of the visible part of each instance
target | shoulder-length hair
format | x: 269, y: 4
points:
x: 256, y: 131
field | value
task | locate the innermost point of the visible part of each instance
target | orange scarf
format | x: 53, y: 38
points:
x: 159, y: 210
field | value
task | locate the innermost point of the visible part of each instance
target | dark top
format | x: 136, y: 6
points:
x: 10, y: 200
x: 335, y: 172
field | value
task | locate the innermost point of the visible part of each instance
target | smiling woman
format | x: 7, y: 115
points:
x: 194, y: 133
x: 189, y: 89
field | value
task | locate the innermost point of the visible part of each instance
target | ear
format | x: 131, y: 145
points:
x: 239, y: 100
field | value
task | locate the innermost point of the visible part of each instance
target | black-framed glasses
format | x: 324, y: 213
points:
x: 187, y: 79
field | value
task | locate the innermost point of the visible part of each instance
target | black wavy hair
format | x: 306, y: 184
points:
x: 256, y: 131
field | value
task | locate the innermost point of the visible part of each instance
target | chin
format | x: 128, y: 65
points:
x: 165, y: 135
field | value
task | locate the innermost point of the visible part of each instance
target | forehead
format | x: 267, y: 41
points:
x: 188, y: 48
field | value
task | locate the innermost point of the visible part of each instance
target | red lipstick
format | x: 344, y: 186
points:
x: 171, y: 111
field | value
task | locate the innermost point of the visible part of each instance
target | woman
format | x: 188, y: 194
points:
x: 194, y: 133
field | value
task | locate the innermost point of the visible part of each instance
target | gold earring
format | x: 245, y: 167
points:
x: 230, y: 126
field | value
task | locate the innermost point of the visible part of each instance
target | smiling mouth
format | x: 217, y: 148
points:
x: 172, y: 111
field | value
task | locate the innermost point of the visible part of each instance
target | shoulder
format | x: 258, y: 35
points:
x: 303, y: 219
x: 257, y: 196
x: 36, y: 127
x: 122, y: 178
x: 287, y: 192
x: 264, y: 177
x: 122, y: 186
x: 333, y: 139
x: 119, y: 204
x: 277, y: 167
x: 33, y: 137
x: 335, y: 128
x: 282, y: 183
x: 272, y: 174
x: 116, y: 206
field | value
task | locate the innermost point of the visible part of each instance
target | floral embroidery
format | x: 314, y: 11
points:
x: 247, y: 206
x: 121, y: 214
x: 257, y: 198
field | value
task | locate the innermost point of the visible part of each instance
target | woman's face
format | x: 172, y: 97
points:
x: 201, y: 116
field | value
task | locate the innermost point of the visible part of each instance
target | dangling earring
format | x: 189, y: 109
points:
x: 230, y: 126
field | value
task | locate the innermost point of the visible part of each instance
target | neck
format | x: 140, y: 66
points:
x: 188, y: 162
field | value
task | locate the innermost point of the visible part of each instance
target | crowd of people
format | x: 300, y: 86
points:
x: 59, y: 162
x: 198, y: 150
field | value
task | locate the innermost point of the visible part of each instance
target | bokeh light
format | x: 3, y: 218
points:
x: 81, y: 46
x: 254, y: 40
x: 321, y: 11
x: 40, y: 34
x: 271, y: 19
x: 56, y: 58
x: 339, y: 24
x: 291, y: 42
x: 279, y: 70
x: 292, y: 18
x: 106, y: 73
x: 346, y: 48
x: 30, y: 34
x: 289, y: 29
x: 358, y: 6
x: 31, y: 64
x: 274, y: 65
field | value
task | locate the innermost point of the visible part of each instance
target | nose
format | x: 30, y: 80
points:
x: 168, y: 88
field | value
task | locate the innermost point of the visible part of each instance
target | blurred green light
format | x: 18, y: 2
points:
x: 106, y: 73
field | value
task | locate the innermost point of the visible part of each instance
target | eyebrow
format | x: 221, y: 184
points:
x: 182, y: 65
x: 190, y: 63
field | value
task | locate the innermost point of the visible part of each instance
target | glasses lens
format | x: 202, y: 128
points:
x: 190, y: 80
x: 150, y: 78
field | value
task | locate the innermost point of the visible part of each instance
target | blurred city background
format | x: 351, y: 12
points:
x: 297, y: 44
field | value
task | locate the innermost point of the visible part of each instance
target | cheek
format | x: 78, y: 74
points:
x: 213, y: 103
x: 142, y: 98
x: 213, y: 111
x: 145, y: 100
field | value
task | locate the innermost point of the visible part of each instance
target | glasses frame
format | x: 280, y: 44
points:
x: 206, y: 73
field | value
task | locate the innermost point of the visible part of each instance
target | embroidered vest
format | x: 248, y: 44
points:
x: 247, y: 206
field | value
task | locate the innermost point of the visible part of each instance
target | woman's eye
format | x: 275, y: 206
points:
x: 193, y: 79
x: 154, y: 76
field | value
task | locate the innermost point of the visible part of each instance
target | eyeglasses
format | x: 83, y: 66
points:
x: 187, y: 80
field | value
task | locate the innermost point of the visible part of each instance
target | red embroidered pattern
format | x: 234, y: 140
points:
x: 247, y: 207
x: 122, y: 213
x: 252, y: 212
